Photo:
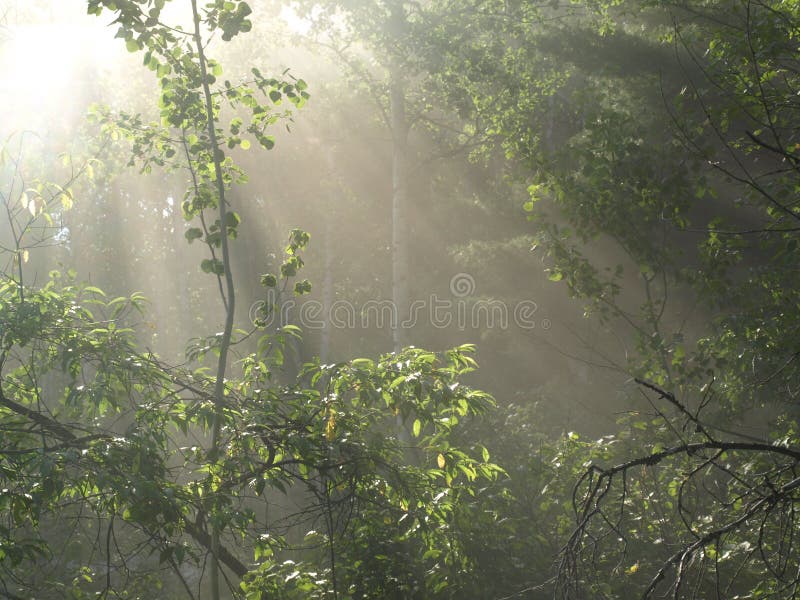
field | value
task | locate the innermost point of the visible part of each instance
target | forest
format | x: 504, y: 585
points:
x: 252, y: 255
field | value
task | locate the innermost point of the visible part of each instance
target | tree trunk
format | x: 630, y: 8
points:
x: 228, y: 297
x: 399, y: 125
x: 327, y: 249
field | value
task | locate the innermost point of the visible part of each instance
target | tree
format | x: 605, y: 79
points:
x: 735, y: 117
x: 91, y: 420
x: 625, y: 174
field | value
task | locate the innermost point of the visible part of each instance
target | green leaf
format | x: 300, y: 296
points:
x: 555, y: 276
x: 441, y: 462
x: 193, y: 233
x: 302, y: 287
x: 232, y: 219
x: 214, y: 266
x: 94, y: 290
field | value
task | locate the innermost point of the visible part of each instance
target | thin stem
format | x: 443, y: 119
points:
x: 229, y: 301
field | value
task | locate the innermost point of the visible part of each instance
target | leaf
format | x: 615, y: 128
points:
x: 214, y: 266
x: 292, y: 330
x: 362, y: 363
x: 302, y: 287
x: 440, y: 460
x: 94, y: 290
x: 193, y: 234
x: 232, y: 219
x: 277, y: 356
x: 533, y: 190
x: 555, y: 276
x: 417, y: 428
x: 330, y: 426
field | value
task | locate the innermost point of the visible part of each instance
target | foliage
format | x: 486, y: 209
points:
x: 176, y: 461
x: 683, y: 177
x: 79, y: 379
x: 655, y: 144
x: 653, y: 190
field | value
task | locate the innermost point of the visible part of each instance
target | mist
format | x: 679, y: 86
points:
x: 516, y: 178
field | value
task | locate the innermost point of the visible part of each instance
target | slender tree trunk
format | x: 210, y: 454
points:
x: 399, y: 125
x: 327, y: 278
x: 228, y: 298
x: 327, y: 294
